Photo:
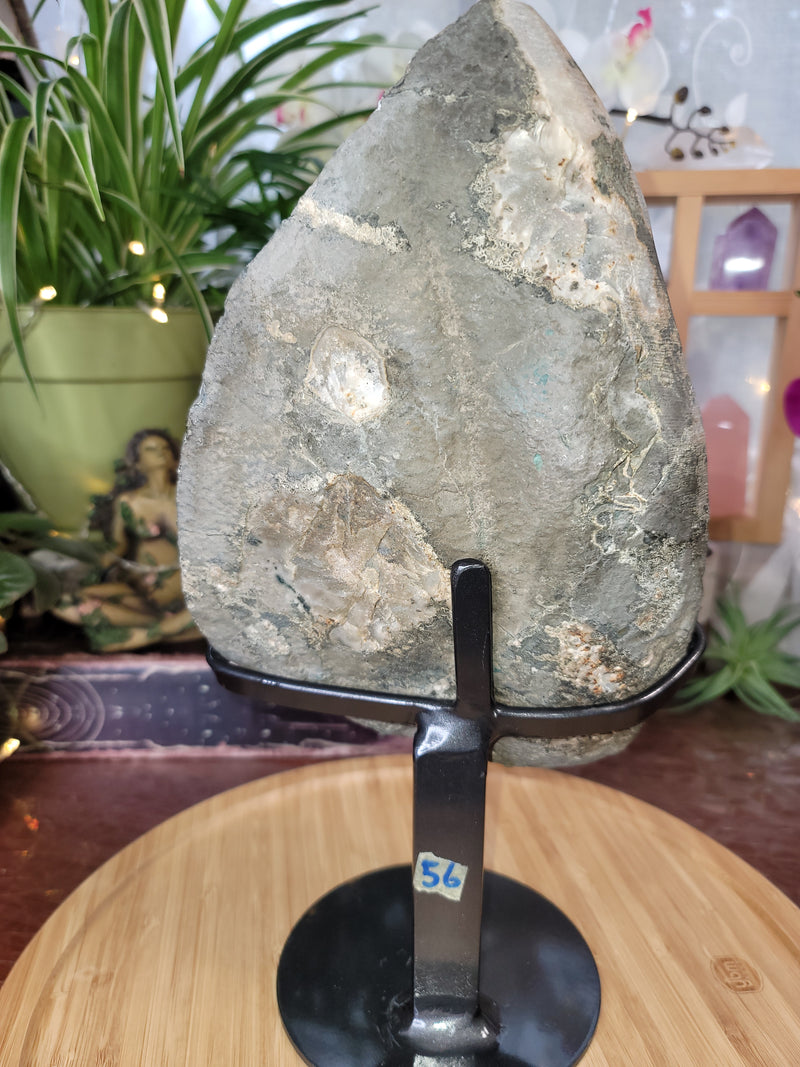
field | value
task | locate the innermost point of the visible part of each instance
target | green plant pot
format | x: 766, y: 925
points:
x: 101, y: 375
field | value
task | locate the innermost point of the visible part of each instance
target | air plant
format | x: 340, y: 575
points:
x: 746, y: 660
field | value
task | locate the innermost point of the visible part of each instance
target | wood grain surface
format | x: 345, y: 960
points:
x: 166, y: 956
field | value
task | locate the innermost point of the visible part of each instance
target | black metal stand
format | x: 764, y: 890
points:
x: 437, y: 963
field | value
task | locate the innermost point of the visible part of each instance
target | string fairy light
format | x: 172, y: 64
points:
x: 631, y: 116
x: 157, y: 312
x: 9, y: 747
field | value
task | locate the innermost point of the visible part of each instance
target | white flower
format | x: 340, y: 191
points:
x: 628, y: 69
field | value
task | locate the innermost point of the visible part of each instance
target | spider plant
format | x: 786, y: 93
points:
x: 746, y: 659
x: 117, y: 167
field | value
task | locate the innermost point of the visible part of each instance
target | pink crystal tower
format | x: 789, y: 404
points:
x: 727, y: 428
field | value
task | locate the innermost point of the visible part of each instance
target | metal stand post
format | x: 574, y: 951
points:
x: 451, y: 753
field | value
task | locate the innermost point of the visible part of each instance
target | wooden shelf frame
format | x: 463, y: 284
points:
x: 690, y: 191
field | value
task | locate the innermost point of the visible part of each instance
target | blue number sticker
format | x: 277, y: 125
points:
x: 433, y: 874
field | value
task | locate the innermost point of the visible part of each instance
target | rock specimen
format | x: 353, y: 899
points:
x: 458, y: 345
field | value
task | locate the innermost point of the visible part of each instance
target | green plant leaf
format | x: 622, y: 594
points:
x: 98, y: 12
x: 174, y: 16
x: 41, y: 106
x: 105, y: 132
x: 155, y: 23
x: 16, y: 90
x: 784, y: 622
x: 247, y: 75
x: 758, y: 694
x: 77, y: 137
x: 24, y: 52
x: 334, y: 52
x: 12, y: 158
x: 85, y: 271
x: 116, y: 74
x: 33, y: 242
x: 89, y: 46
x: 73, y: 547
x: 305, y: 138
x: 47, y: 588
x: 782, y: 669
x: 135, y: 64
x: 250, y: 29
x: 731, y: 614
x: 57, y: 158
x: 24, y: 522
x: 213, y: 60
x: 155, y: 161
x: 214, y: 137
x: 17, y: 577
x: 195, y: 294
x: 704, y: 690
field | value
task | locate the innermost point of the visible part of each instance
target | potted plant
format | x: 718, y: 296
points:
x: 34, y: 561
x: 123, y: 179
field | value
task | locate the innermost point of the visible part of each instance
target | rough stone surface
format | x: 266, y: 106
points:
x: 459, y: 345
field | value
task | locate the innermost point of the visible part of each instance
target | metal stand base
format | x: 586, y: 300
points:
x: 345, y: 978
x: 447, y: 971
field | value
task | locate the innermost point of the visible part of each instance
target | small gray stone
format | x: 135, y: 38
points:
x: 460, y: 344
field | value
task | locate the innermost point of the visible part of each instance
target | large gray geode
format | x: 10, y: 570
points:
x: 458, y: 345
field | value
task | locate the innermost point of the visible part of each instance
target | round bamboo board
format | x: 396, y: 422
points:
x: 167, y: 955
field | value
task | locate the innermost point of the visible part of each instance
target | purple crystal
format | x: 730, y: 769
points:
x: 791, y: 406
x: 743, y: 254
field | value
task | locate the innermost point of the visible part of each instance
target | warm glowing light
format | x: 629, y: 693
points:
x: 761, y: 385
x: 74, y: 60
x: 159, y: 292
x: 48, y: 292
x: 136, y: 247
x: 8, y: 748
x: 158, y: 315
x: 743, y: 264
x: 632, y: 115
